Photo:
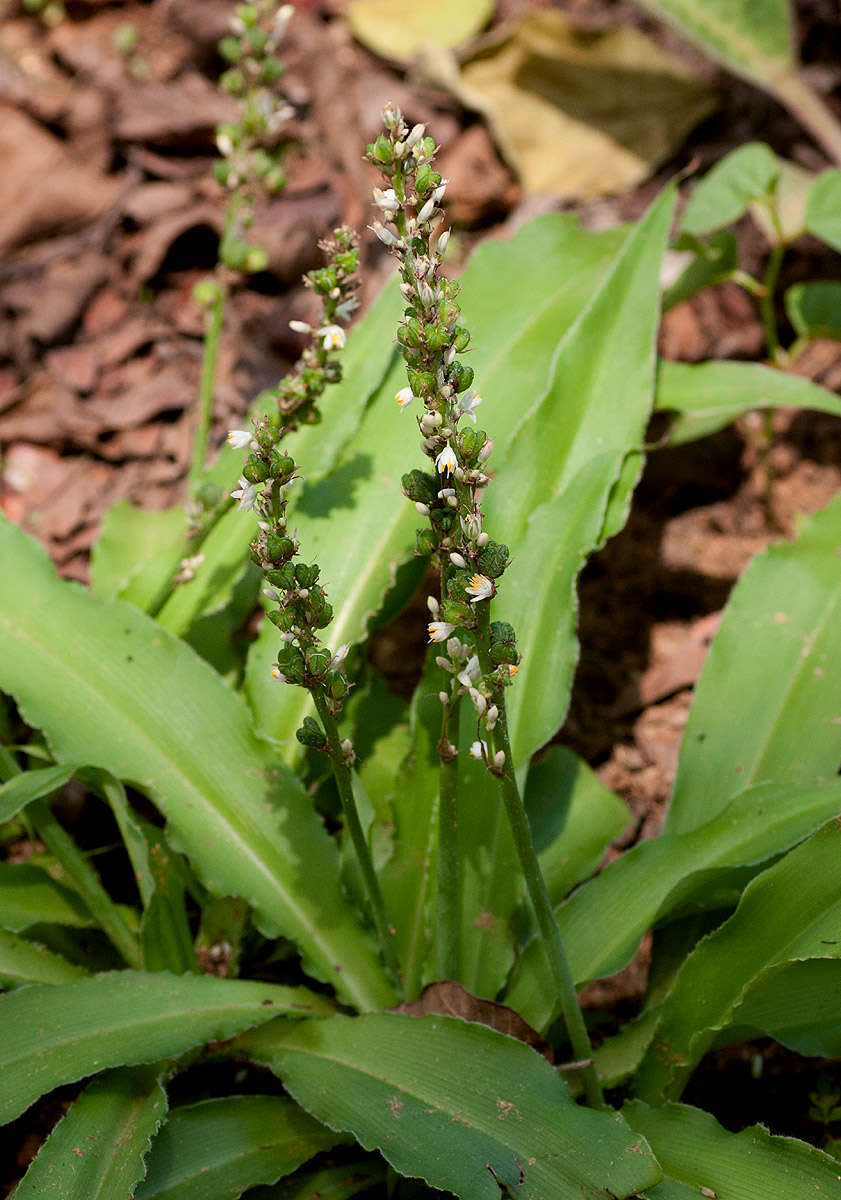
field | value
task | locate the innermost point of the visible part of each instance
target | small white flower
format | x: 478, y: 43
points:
x: 386, y: 200
x: 479, y: 750
x: 438, y: 194
x: 415, y: 135
x: 468, y: 403
x: 499, y: 759
x: 433, y: 605
x: 446, y: 462
x: 239, y: 438
x: 340, y: 656
x: 385, y: 235
x: 457, y: 559
x: 422, y: 508
x: 471, y: 672
x: 300, y: 327
x: 445, y: 493
x: 439, y: 631
x: 344, y: 310
x: 282, y: 18
x: 246, y: 494
x: 478, y: 699
x: 426, y: 211
x: 472, y: 526
x: 479, y: 588
x: 276, y: 673
x: 491, y: 717
x: 444, y: 663
x: 441, y: 244
x: 404, y: 397
x: 224, y: 144
x: 333, y: 337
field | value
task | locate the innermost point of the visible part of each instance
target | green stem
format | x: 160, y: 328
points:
x: 206, y: 385
x: 448, y: 942
x: 344, y: 783
x: 549, y: 932
x: 766, y: 301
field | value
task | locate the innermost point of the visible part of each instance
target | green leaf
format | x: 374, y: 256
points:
x: 519, y: 298
x: 398, y: 1084
x: 137, y: 553
x: 823, y: 208
x: 51, y: 1035
x: 215, y: 1149
x: 573, y: 819
x: 796, y: 1004
x: 22, y: 961
x: 751, y: 37
x: 773, y: 659
x: 789, y: 912
x: 714, y: 261
x: 408, y: 878
x: 553, y: 491
x: 752, y: 1165
x: 658, y: 877
x: 814, y: 309
x: 22, y: 789
x: 725, y: 193
x: 28, y: 896
x: 96, y: 1150
x: 328, y: 1183
x: 705, y: 397
x: 366, y: 358
x: 109, y: 686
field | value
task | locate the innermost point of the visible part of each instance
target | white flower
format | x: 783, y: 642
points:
x: 282, y: 18
x: 446, y: 462
x: 276, y: 673
x: 245, y: 493
x: 471, y: 672
x: 385, y: 235
x: 439, y: 631
x: 224, y: 144
x: 344, y: 310
x: 478, y: 699
x: 426, y: 211
x: 333, y: 337
x: 404, y: 397
x: 441, y: 244
x: 300, y: 327
x: 468, y: 404
x: 415, y: 135
x: 340, y: 656
x: 457, y: 559
x: 239, y: 438
x: 438, y: 194
x: 479, y: 750
x: 479, y: 588
x: 386, y: 200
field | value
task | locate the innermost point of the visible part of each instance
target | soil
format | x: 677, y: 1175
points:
x: 109, y: 216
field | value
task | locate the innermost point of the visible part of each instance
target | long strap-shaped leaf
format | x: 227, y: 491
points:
x: 398, y: 1083
x: 216, y: 1149
x: 108, y: 686
x: 653, y: 878
x: 774, y: 660
x: 790, y: 912
x: 51, y: 1035
x: 96, y: 1151
x: 702, y: 1159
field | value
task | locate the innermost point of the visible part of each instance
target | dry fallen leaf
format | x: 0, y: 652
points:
x: 577, y: 114
x: 397, y: 29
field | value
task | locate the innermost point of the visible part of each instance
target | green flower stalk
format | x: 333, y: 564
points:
x: 481, y: 656
x: 302, y: 609
x: 251, y: 148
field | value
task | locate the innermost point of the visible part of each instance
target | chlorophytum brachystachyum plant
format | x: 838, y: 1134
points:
x: 742, y: 888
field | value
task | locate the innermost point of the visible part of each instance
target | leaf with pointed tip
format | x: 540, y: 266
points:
x: 51, y: 1035
x: 726, y: 192
x: 216, y: 1149
x: 657, y: 877
x: 705, y: 397
x: 701, y: 1158
x: 109, y: 686
x: 773, y: 659
x: 788, y: 913
x: 23, y: 961
x: 398, y: 1084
